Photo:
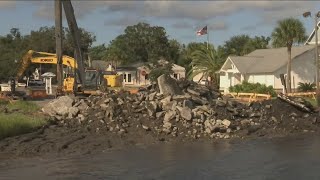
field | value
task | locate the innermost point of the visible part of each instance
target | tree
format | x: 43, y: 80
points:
x: 206, y: 61
x: 175, y: 50
x: 140, y: 43
x: 242, y: 44
x: 14, y: 46
x: 288, y: 32
x: 97, y: 52
x: 186, y: 52
x: 86, y: 40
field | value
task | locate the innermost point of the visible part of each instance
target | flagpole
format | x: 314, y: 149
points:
x: 207, y: 37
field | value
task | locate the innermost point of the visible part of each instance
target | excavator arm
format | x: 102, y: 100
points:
x: 43, y: 58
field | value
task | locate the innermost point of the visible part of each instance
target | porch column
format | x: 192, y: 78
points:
x: 242, y: 78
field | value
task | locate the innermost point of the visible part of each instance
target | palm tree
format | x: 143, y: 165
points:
x: 288, y: 32
x: 205, y: 61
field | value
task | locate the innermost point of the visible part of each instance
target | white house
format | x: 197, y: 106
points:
x: 265, y: 66
x: 138, y: 74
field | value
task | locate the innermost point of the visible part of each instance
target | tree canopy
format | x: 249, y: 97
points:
x: 97, y: 52
x: 242, y: 44
x: 140, y: 43
x: 14, y: 45
x: 286, y: 33
x: 206, y: 61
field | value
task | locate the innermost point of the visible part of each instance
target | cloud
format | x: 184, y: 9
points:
x: 124, y: 21
x: 219, y: 26
x: 45, y: 9
x: 267, y: 11
x: 193, y: 11
x: 7, y: 4
x: 183, y: 25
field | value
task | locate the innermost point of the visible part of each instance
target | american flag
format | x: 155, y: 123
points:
x: 202, y: 31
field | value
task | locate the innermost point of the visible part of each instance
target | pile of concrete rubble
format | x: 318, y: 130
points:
x: 173, y: 108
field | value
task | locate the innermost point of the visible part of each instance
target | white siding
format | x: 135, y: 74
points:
x: 303, y: 70
x: 126, y: 75
x: 251, y: 78
x: 224, y: 83
x: 270, y: 80
x: 267, y: 79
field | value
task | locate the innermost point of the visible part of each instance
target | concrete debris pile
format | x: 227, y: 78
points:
x: 180, y: 109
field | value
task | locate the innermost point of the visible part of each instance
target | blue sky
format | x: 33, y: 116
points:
x: 181, y: 19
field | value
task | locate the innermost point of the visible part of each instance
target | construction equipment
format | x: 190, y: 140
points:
x: 85, y: 78
x: 94, y: 78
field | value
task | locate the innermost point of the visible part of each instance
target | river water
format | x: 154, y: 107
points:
x: 281, y: 158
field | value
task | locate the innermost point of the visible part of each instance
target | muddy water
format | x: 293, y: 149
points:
x: 283, y: 158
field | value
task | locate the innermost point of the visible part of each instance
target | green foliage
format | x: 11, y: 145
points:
x: 97, y: 52
x: 14, y: 46
x: 21, y: 121
x: 86, y: 40
x: 288, y: 32
x: 247, y: 87
x: 15, y: 124
x: 23, y: 106
x: 306, y: 87
x: 242, y: 44
x: 140, y: 43
x: 206, y: 62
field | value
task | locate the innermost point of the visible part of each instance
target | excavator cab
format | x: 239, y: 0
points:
x: 93, y: 81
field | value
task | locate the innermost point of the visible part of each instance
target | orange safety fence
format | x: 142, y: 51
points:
x: 303, y: 94
x: 250, y: 97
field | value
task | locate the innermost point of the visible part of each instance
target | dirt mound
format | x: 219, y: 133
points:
x: 121, y: 119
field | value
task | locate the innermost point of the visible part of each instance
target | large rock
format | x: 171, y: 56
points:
x: 168, y: 86
x: 151, y: 108
x: 58, y: 106
x: 73, y: 111
x: 169, y: 115
x: 185, y: 113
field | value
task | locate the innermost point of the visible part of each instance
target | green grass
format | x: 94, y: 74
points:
x: 312, y: 101
x: 23, y: 106
x: 22, y: 118
x: 15, y: 124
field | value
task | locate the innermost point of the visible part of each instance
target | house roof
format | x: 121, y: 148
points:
x: 266, y: 60
x: 178, y: 68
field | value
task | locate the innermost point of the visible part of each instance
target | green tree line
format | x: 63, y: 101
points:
x: 144, y: 43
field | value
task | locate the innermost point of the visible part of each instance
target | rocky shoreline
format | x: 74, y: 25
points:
x: 168, y: 112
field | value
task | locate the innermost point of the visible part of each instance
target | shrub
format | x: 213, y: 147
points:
x: 247, y: 87
x: 306, y: 87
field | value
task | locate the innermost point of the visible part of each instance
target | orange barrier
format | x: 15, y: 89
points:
x: 250, y: 97
x: 133, y: 91
x: 303, y: 94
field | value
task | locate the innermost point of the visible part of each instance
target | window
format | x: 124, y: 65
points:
x: 175, y: 75
x: 129, y: 77
x: 124, y: 77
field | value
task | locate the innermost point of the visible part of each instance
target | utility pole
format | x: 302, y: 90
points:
x: 73, y: 27
x: 58, y: 36
x: 317, y: 58
x: 316, y: 16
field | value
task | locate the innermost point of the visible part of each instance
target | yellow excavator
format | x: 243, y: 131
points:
x: 94, y: 79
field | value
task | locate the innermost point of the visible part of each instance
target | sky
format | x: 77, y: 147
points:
x: 181, y: 19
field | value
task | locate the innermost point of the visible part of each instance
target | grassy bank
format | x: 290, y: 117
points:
x: 22, y: 117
